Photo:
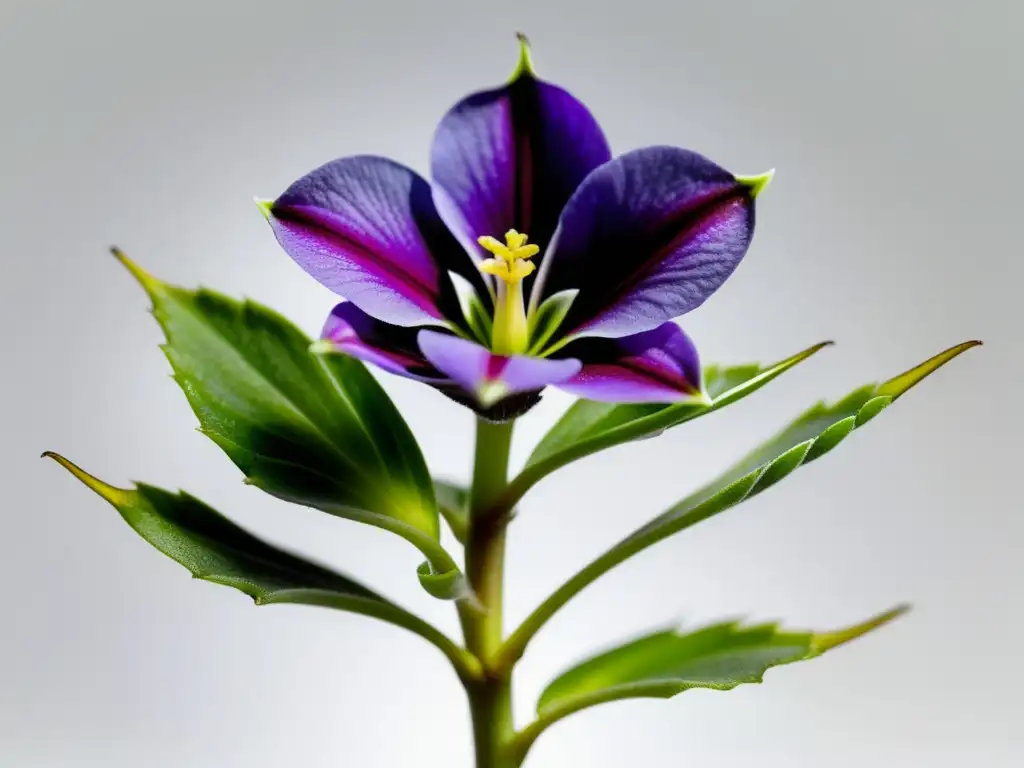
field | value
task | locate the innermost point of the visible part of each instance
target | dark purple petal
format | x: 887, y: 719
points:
x: 510, y: 158
x: 658, y: 366
x: 367, y: 228
x: 648, y: 237
x: 391, y: 347
x: 489, y: 378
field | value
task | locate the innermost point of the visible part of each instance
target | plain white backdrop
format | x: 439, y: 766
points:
x: 891, y: 226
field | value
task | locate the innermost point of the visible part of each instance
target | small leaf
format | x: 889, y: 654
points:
x: 811, y: 436
x: 453, y: 503
x: 719, y: 657
x: 214, y: 549
x: 545, y: 322
x: 317, y: 430
x: 588, y: 426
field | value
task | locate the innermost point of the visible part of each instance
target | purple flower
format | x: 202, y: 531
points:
x: 533, y: 259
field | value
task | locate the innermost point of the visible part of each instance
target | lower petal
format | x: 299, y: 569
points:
x: 490, y: 378
x: 658, y: 366
x: 392, y: 347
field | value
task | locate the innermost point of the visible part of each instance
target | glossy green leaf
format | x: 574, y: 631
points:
x: 588, y: 426
x: 811, y: 436
x: 214, y: 549
x: 316, y: 430
x: 664, y: 664
x: 453, y: 503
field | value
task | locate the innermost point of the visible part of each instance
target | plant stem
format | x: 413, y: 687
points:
x: 490, y: 699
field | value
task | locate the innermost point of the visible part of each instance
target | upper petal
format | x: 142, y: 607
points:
x: 367, y: 228
x: 488, y: 378
x: 648, y: 237
x: 658, y: 366
x: 511, y: 157
x: 391, y: 347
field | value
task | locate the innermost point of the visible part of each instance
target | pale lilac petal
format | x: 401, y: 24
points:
x: 490, y: 378
x: 658, y: 366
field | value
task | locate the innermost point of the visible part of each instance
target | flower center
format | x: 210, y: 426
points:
x: 510, y: 264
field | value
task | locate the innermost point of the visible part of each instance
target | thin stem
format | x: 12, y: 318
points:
x: 490, y: 697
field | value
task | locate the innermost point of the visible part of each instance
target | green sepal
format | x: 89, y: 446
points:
x: 217, y: 550
x: 478, y: 319
x: 316, y: 430
x: 545, y: 322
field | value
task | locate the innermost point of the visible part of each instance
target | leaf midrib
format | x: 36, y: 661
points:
x: 280, y: 395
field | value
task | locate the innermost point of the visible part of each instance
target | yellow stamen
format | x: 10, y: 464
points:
x: 510, y: 264
x: 512, y: 250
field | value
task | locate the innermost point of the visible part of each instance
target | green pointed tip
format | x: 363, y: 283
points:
x: 525, y: 64
x: 756, y: 183
x: 265, y: 206
x: 322, y: 347
x: 110, y: 493
x: 145, y: 279
x: 826, y: 641
x: 897, y: 385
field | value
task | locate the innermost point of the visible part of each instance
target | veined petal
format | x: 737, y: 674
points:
x: 392, y: 347
x: 511, y: 157
x: 648, y: 237
x: 367, y: 228
x: 658, y: 366
x: 488, y: 378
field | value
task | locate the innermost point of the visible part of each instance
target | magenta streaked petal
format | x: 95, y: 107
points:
x: 658, y: 366
x: 511, y: 157
x: 367, y: 228
x: 391, y: 347
x: 490, y: 378
x: 646, y: 238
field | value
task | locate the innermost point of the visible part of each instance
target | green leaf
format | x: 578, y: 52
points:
x: 588, y: 426
x: 453, y: 503
x: 317, y: 430
x: 214, y: 549
x: 811, y: 436
x: 664, y: 664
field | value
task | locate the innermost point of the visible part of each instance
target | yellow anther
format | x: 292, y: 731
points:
x: 510, y: 331
x: 514, y: 239
x: 512, y: 250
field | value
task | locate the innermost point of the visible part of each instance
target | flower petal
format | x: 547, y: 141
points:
x: 367, y: 228
x: 648, y: 237
x: 392, y: 347
x: 511, y: 157
x: 659, y: 366
x: 490, y: 378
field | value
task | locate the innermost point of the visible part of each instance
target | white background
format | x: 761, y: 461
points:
x: 891, y: 226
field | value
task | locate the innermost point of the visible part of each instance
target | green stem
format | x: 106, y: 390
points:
x: 490, y: 698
